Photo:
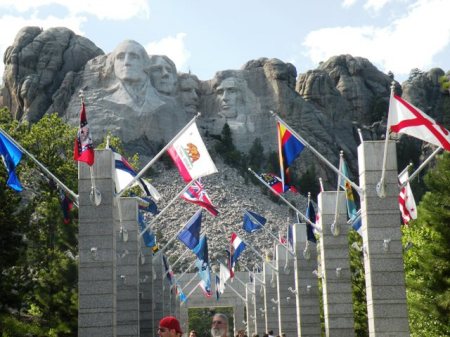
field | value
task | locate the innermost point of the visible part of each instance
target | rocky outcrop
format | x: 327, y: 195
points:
x: 36, y: 64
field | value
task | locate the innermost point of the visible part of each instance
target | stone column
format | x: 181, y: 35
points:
x: 127, y: 277
x: 259, y: 307
x: 251, y: 326
x: 270, y: 292
x: 145, y: 291
x: 239, y: 315
x: 383, y: 259
x: 166, y: 293
x: 184, y: 317
x: 97, y: 250
x: 287, y: 316
x: 158, y: 291
x: 335, y: 258
x: 306, y: 284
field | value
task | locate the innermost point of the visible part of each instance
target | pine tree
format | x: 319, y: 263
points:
x: 427, y: 263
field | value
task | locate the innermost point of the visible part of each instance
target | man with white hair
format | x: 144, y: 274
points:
x: 219, y: 326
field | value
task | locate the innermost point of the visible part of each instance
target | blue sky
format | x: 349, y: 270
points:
x: 206, y: 36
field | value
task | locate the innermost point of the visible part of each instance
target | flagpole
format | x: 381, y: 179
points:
x: 282, y: 198
x: 189, y: 267
x: 164, y: 209
x: 173, y: 264
x: 190, y: 293
x: 268, y: 231
x: 262, y: 257
x: 159, y: 154
x: 260, y: 280
x: 421, y: 167
x: 38, y: 163
x: 356, y: 187
x: 380, y: 188
x: 321, y: 185
x: 334, y: 227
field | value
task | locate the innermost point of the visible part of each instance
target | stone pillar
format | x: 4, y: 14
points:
x: 270, y: 292
x: 306, y: 284
x: 287, y: 316
x: 145, y: 291
x: 383, y: 259
x: 127, y: 277
x: 335, y: 258
x: 249, y: 291
x: 166, y: 293
x: 184, y: 317
x: 239, y: 315
x: 259, y: 307
x: 158, y: 291
x: 97, y: 250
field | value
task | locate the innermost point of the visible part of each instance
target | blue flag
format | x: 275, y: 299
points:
x: 253, y: 221
x: 148, y: 236
x: 202, y: 263
x: 357, y: 223
x: 351, y: 205
x: 201, y: 250
x: 311, y: 215
x: 11, y: 156
x: 290, y: 235
x: 190, y: 235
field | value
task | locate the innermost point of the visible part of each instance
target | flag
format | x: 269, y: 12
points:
x: 66, y: 206
x: 253, y: 221
x: 202, y: 263
x: 405, y: 118
x: 197, y: 195
x: 276, y: 184
x: 168, y: 271
x: 281, y: 238
x: 190, y: 155
x: 181, y: 294
x: 148, y: 236
x: 311, y: 215
x: 11, y: 156
x: 289, y: 148
x: 125, y: 173
x: 357, y: 224
x: 406, y: 200
x: 151, y: 208
x: 190, y: 235
x: 84, y: 148
x: 291, y: 237
x: 237, y: 247
x: 217, y: 287
x: 345, y: 185
x: 224, y: 274
x: 230, y: 269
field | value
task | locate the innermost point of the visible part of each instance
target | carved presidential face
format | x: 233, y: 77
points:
x: 163, y: 76
x: 230, y: 97
x: 188, y: 92
x: 129, y: 63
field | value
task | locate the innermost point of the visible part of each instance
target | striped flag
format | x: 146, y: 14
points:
x: 406, y: 200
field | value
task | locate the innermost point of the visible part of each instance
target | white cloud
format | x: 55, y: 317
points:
x: 173, y: 47
x: 14, y: 24
x: 348, y: 3
x: 102, y: 9
x: 408, y: 42
x: 376, y: 5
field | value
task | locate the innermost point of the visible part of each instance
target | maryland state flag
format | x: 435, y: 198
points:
x: 84, y: 148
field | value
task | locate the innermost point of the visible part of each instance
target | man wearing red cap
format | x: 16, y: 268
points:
x: 169, y: 327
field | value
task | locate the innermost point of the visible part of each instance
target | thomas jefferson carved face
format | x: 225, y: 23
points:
x: 163, y: 75
x: 230, y: 97
x: 129, y: 62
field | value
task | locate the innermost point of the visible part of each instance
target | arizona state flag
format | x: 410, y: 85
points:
x: 289, y: 148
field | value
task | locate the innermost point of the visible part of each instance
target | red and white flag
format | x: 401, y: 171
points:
x: 406, y: 200
x: 405, y: 118
x: 197, y: 195
x: 191, y: 156
x: 84, y: 148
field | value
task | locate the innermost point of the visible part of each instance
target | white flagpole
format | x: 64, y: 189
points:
x: 254, y: 274
x: 193, y: 289
x: 421, y: 167
x: 159, y: 154
x: 282, y: 198
x: 234, y: 290
x: 313, y: 150
x: 164, y: 209
x: 334, y: 227
x: 381, y: 185
x: 41, y: 166
x: 260, y: 256
x: 268, y: 231
x: 321, y: 185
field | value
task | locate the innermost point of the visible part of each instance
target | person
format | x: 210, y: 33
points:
x: 219, y: 325
x: 128, y: 66
x: 270, y: 333
x: 193, y: 333
x: 169, y: 326
x: 163, y: 74
x: 188, y: 87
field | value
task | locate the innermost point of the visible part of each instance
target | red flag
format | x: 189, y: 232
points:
x: 406, y: 201
x: 405, y: 118
x: 83, y: 149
